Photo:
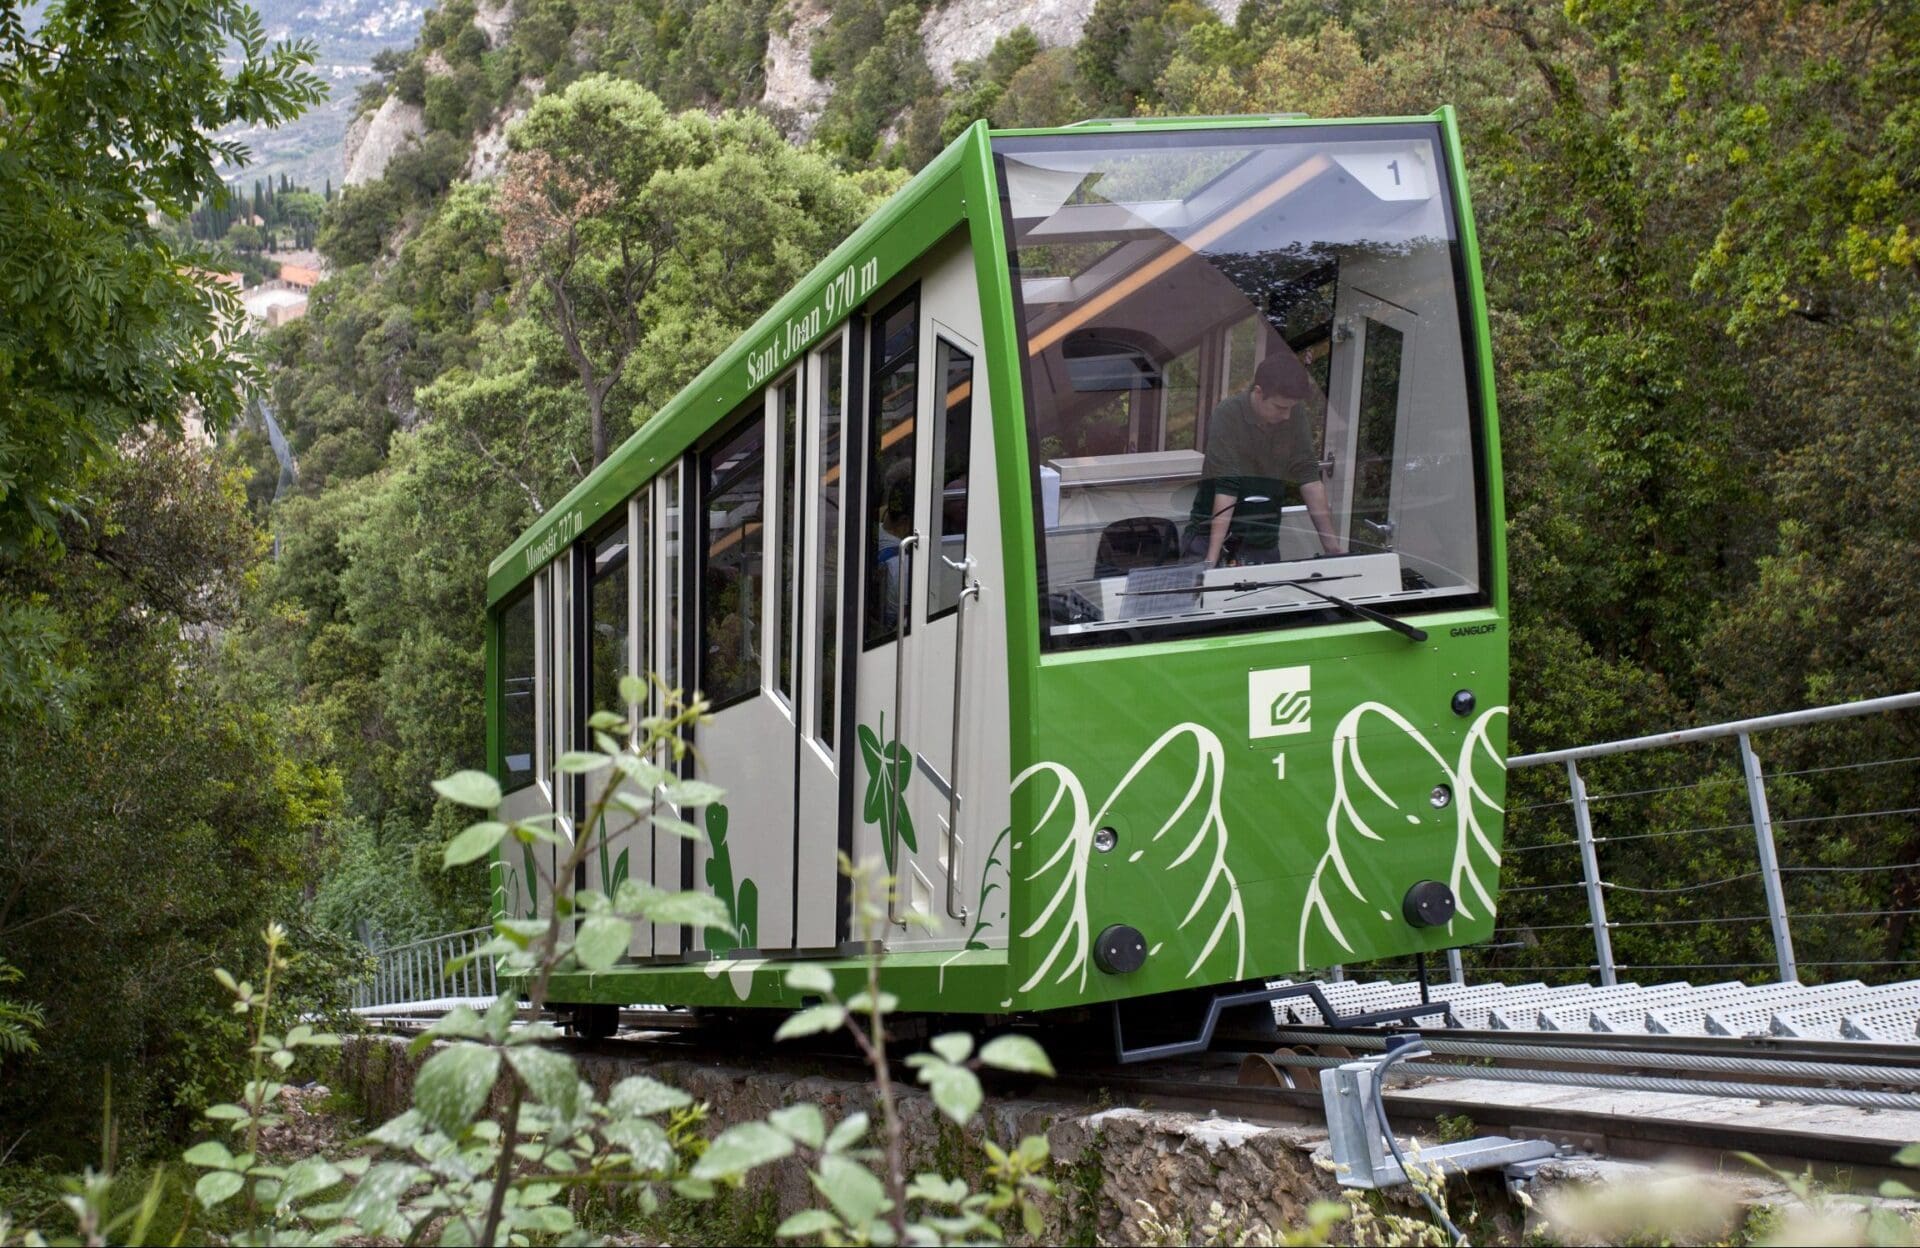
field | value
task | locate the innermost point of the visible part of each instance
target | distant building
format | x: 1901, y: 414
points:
x: 275, y: 303
x: 299, y: 276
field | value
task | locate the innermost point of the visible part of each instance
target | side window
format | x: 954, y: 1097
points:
x: 732, y: 573
x: 896, y: 387
x: 518, y: 723
x: 952, y: 438
x: 641, y: 519
x: 829, y: 554
x: 786, y: 625
x: 675, y: 621
x: 607, y: 621
x: 559, y: 670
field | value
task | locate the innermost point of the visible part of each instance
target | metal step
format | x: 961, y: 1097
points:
x: 1689, y: 1018
x: 1828, y: 1020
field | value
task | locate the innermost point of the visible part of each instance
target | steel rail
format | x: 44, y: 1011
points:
x: 1795, y: 1068
x: 1857, y: 1098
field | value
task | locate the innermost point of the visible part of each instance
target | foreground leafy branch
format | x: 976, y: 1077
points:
x: 504, y: 1139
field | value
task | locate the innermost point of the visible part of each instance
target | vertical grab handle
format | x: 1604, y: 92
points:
x: 956, y: 909
x: 904, y: 606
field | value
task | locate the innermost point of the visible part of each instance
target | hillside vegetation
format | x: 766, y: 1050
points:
x: 1699, y: 227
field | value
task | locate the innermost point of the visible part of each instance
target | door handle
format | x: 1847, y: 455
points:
x: 956, y: 909
x: 903, y: 607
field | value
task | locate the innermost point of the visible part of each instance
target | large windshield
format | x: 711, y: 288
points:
x: 1244, y: 365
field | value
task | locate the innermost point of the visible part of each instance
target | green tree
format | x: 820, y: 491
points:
x: 580, y: 228
x: 107, y: 113
x: 191, y: 825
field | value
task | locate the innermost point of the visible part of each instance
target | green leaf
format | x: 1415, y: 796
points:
x: 633, y: 690
x: 810, y: 979
x: 1018, y: 1053
x: 453, y: 1086
x: 853, y: 1191
x: 685, y: 793
x: 940, y: 1191
x: 1894, y: 1189
x: 862, y: 1003
x: 847, y: 1132
x: 470, y: 788
x: 210, y: 1153
x: 693, y: 1189
x: 400, y: 1133
x: 549, y: 1075
x: 476, y: 842
x: 307, y: 1176
x: 812, y: 1021
x: 223, y: 1112
x: 1908, y: 1156
x: 546, y: 1220
x: 638, y: 1095
x: 955, y: 1090
x: 459, y: 1023
x: 955, y: 1046
x: 216, y: 1186
x: 807, y: 1222
x: 646, y: 1142
x: 581, y: 762
x: 677, y: 827
x: 691, y: 909
x: 602, y: 941
x: 741, y: 1148
x: 606, y: 721
x: 803, y: 1123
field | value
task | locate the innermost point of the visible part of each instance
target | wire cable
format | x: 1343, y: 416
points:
x: 1414, y: 1048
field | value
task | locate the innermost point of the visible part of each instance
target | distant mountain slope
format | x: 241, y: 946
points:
x: 348, y: 34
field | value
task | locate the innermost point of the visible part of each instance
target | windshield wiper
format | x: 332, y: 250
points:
x: 1306, y: 583
x: 1367, y: 613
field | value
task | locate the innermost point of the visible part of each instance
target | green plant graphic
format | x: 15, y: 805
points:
x: 987, y: 886
x: 889, y: 768
x: 743, y: 909
x: 532, y: 878
x: 611, y: 877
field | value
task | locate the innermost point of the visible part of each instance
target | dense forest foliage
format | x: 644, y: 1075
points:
x: 1699, y: 227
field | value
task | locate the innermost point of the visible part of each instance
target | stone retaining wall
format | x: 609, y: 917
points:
x: 1114, y: 1165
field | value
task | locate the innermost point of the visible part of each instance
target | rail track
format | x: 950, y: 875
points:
x: 1844, y: 1107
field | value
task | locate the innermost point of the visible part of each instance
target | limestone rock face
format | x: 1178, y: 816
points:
x: 490, y: 147
x: 372, y: 144
x: 792, y: 90
x: 966, y: 30
x: 494, y: 18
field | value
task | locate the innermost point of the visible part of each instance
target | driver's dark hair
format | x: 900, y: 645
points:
x: 1282, y: 373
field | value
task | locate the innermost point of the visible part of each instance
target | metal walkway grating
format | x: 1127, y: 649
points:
x: 1851, y: 1010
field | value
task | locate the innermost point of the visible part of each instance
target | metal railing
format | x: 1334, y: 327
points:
x: 418, y: 971
x: 1873, y: 801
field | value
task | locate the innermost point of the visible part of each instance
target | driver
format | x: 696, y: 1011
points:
x: 1258, y: 445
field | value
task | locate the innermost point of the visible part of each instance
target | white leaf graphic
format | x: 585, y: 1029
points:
x: 1199, y: 834
x: 1470, y: 836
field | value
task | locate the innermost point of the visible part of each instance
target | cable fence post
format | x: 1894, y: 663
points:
x: 1769, y: 862
x: 1590, y: 870
x: 1456, y: 967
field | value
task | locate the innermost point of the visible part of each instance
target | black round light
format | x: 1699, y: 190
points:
x: 1428, y: 904
x: 1463, y: 702
x: 1120, y: 950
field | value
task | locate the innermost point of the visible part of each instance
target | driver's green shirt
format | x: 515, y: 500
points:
x: 1256, y: 463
